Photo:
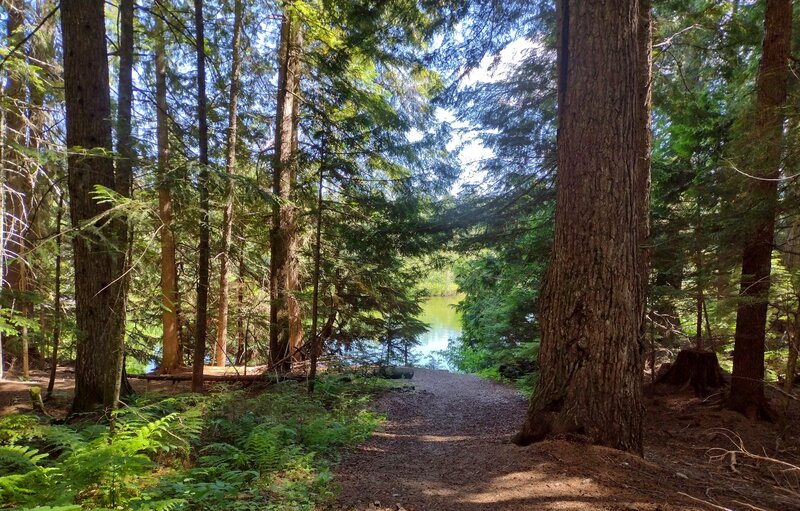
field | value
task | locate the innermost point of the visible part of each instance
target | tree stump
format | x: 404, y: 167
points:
x: 36, y: 401
x: 695, y: 368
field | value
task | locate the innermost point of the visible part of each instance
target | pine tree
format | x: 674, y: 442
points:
x: 747, y: 385
x: 230, y: 168
x: 286, y: 329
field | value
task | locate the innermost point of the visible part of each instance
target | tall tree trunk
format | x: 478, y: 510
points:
x: 98, y: 298
x: 42, y: 55
x: 230, y: 169
x: 43, y: 52
x: 170, y: 352
x: 201, y: 324
x: 240, y: 328
x: 56, y: 299
x: 124, y: 171
x: 286, y: 329
x: 15, y: 186
x: 315, y: 337
x: 594, y: 291
x: 747, y: 382
x: 19, y: 187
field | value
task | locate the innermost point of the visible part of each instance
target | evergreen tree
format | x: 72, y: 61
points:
x: 594, y: 290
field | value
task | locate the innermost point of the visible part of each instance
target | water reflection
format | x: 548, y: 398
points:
x: 444, y: 324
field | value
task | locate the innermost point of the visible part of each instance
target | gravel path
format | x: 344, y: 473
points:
x: 447, y: 438
x: 446, y: 446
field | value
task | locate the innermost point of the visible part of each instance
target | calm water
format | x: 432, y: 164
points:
x: 444, y: 322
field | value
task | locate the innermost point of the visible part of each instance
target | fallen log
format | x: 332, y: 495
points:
x: 231, y: 378
x: 394, y: 372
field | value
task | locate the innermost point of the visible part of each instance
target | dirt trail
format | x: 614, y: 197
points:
x: 446, y: 446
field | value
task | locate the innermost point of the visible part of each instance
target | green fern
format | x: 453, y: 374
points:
x: 14, y: 428
x: 227, y: 455
x: 268, y: 447
x: 21, y: 472
x: 229, y: 451
x: 144, y: 504
x: 20, y: 456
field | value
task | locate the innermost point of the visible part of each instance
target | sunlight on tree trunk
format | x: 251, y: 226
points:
x: 592, y: 304
x: 286, y: 329
x: 230, y: 168
x: 170, y: 353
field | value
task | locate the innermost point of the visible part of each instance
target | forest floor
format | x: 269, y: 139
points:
x: 447, y: 446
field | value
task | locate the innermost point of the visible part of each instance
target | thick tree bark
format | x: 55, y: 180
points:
x: 170, y: 351
x: 201, y: 325
x: 747, y: 383
x: 286, y: 329
x: 594, y: 291
x: 98, y: 292
x: 230, y: 169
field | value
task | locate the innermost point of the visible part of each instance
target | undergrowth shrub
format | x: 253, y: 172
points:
x: 231, y: 450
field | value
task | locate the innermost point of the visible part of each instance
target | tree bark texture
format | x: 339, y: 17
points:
x: 286, y: 329
x: 230, y: 169
x: 98, y: 298
x: 593, y: 295
x: 747, y: 382
x: 170, y: 352
x: 201, y: 323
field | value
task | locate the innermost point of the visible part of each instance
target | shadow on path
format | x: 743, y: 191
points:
x: 446, y: 446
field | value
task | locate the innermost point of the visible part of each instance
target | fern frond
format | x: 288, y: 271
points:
x: 19, y: 456
x: 64, y: 438
x: 16, y: 427
x: 158, y: 505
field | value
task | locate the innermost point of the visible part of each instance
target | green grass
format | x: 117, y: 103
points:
x: 232, y: 450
